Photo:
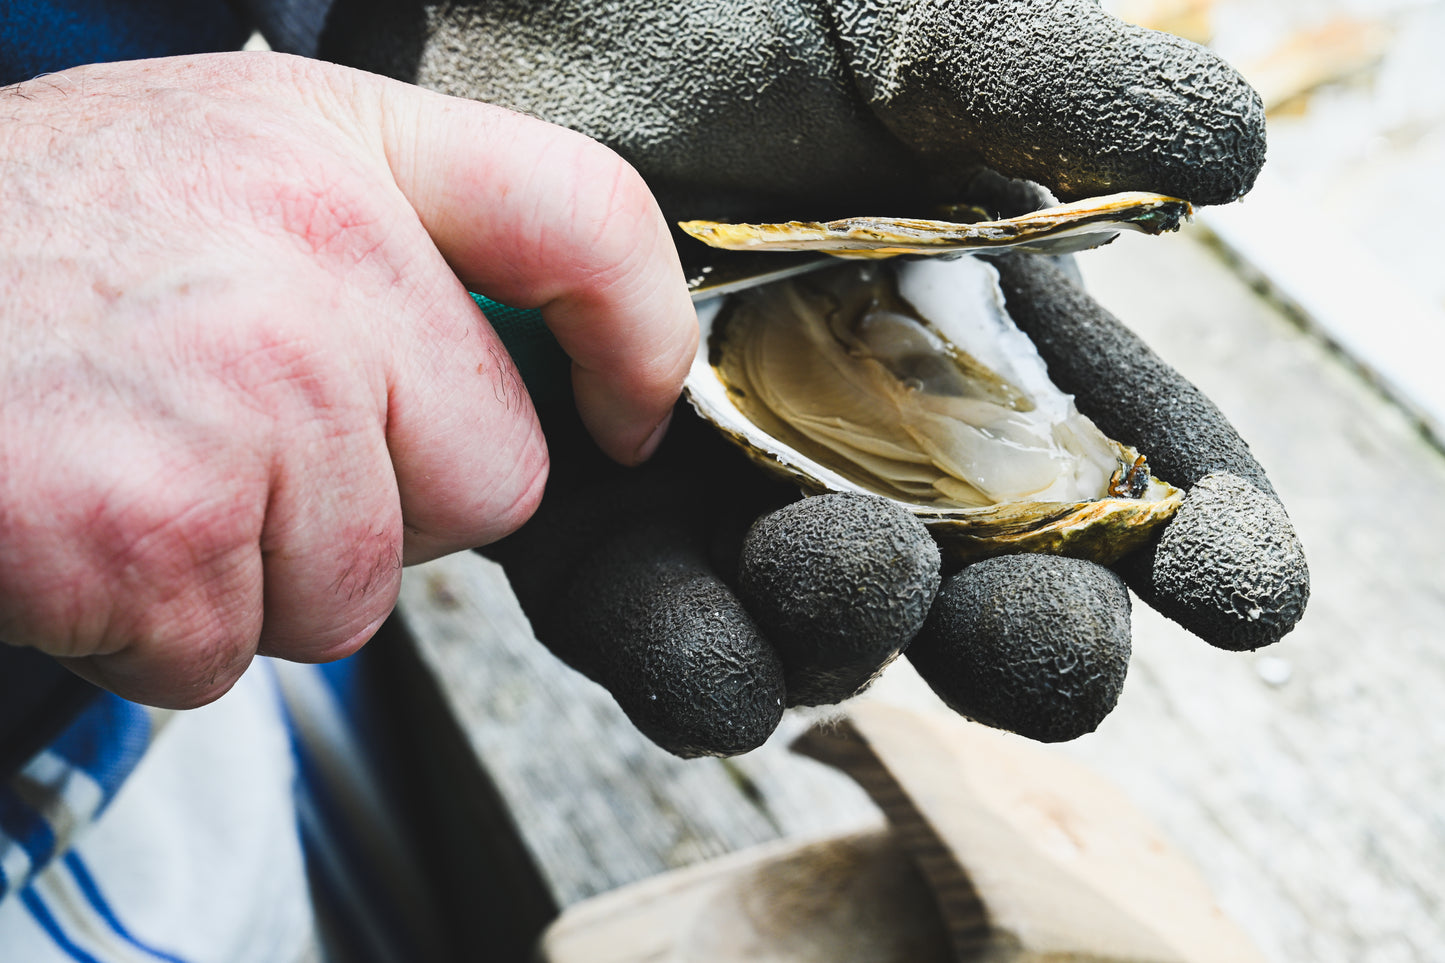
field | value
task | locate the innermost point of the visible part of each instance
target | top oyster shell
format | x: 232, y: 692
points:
x: 910, y: 381
x: 1062, y: 229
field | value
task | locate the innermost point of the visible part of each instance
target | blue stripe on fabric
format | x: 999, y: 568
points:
x: 26, y: 827
x: 344, y: 885
x: 91, y: 890
x: 106, y: 742
x: 51, y: 926
x: 343, y: 678
x: 46, y: 35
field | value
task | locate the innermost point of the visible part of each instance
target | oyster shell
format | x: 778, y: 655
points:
x: 1062, y: 229
x: 910, y: 381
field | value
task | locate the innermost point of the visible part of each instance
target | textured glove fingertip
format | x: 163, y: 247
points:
x: 1229, y: 567
x: 1036, y: 644
x: 1062, y: 93
x: 647, y: 619
x: 841, y: 584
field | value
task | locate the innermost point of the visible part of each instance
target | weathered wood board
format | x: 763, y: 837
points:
x: 1307, y: 781
x: 595, y: 802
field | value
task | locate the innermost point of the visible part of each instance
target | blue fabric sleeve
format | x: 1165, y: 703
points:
x: 41, y: 36
x: 293, y: 26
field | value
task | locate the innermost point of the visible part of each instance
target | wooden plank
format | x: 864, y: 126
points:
x: 1032, y: 857
x: 996, y: 849
x: 1306, y: 780
x: 597, y: 805
x: 858, y: 897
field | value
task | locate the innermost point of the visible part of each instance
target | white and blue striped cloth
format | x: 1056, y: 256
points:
x: 208, y: 836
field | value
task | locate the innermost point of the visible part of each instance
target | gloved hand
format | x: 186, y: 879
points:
x: 861, y: 106
x: 735, y: 106
x: 631, y: 576
x: 1040, y: 644
x: 643, y: 578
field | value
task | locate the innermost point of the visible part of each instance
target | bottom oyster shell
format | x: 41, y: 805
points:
x: 909, y: 380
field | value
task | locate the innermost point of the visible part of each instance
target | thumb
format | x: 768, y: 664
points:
x: 538, y: 216
x: 1059, y: 92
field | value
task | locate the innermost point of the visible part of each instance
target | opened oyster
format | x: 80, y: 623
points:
x: 1062, y: 229
x: 909, y: 380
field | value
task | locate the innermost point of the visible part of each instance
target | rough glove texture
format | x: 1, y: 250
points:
x: 1036, y: 644
x: 828, y: 108
x: 1258, y: 582
x: 841, y: 584
x: 648, y: 619
x: 619, y: 574
x: 1060, y: 92
x: 1230, y: 567
x: 714, y: 99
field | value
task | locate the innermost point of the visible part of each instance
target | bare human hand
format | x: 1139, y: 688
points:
x: 241, y: 380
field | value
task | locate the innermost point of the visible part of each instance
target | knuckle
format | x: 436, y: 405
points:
x: 499, y: 501
x: 334, y: 615
x: 280, y: 369
x: 168, y: 531
x: 107, y: 552
x: 172, y: 549
x: 371, y: 572
x: 529, y: 482
x: 205, y: 651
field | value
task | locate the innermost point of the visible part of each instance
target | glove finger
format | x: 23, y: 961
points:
x: 1057, y: 91
x: 840, y: 584
x: 646, y: 617
x: 695, y: 479
x: 1229, y: 567
x: 1036, y: 644
x: 615, y: 575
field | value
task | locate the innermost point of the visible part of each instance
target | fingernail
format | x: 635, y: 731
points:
x: 646, y: 449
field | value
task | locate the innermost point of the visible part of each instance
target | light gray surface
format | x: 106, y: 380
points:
x: 1306, y: 780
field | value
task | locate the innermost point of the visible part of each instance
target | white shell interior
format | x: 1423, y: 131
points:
x: 1050, y: 453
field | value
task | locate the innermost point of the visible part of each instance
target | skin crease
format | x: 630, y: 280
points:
x: 240, y: 381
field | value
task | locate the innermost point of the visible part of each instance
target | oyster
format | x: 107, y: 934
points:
x: 909, y: 380
x: 1062, y: 229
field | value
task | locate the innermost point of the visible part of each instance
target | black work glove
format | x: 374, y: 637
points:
x: 1039, y: 644
x: 846, y: 107
x: 641, y: 579
x: 731, y: 107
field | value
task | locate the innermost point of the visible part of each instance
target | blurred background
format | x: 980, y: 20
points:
x: 1343, y: 226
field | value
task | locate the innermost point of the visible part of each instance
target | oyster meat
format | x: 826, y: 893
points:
x: 909, y: 380
x: 1062, y: 229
